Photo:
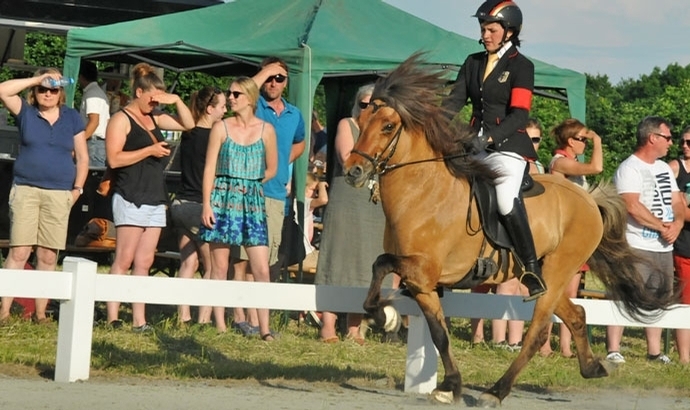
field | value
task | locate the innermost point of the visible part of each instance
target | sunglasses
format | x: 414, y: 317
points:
x: 363, y: 105
x: 279, y: 78
x: 685, y: 142
x: 215, y: 92
x: 535, y: 140
x: 581, y: 139
x: 666, y: 137
x: 235, y: 94
x: 43, y: 90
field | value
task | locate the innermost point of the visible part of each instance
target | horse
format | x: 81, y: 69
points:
x: 433, y: 236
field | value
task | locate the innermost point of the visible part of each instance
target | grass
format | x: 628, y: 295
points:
x: 201, y: 354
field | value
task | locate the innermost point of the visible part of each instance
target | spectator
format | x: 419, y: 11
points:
x: 290, y: 130
x: 138, y: 153
x: 319, y: 139
x: 242, y: 154
x: 515, y: 328
x: 499, y: 82
x: 113, y: 90
x: 48, y: 177
x: 208, y: 105
x: 681, y: 247
x: 353, y: 226
x: 571, y: 140
x: 95, y: 112
x: 315, y: 196
x: 655, y: 219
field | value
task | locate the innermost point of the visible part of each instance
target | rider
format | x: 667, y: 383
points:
x: 499, y: 83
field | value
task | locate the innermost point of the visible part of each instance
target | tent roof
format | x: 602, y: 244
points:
x: 325, y: 37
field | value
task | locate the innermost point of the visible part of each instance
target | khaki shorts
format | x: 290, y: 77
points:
x: 275, y: 213
x: 39, y: 216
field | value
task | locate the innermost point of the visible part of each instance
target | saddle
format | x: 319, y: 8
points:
x: 494, y: 231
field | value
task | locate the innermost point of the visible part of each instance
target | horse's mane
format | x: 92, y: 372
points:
x: 415, y: 92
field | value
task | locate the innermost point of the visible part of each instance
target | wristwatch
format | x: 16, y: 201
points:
x: 78, y: 188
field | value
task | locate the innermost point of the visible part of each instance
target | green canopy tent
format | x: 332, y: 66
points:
x: 341, y: 43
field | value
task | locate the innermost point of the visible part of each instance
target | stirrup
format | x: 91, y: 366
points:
x: 535, y: 285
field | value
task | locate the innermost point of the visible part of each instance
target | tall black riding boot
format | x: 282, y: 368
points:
x: 520, y: 232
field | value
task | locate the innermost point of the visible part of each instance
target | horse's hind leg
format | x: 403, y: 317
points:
x: 573, y: 316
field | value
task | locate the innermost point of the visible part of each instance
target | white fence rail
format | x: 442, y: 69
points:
x: 78, y: 287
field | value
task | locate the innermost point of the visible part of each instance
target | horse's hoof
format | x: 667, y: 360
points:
x: 488, y: 401
x: 445, y: 397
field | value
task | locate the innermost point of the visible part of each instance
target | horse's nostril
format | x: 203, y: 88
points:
x: 356, y: 171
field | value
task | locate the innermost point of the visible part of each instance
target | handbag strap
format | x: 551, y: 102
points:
x: 132, y: 116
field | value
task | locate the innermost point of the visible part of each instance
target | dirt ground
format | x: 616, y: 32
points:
x: 141, y: 394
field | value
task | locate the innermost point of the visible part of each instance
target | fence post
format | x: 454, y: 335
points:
x: 422, y: 357
x: 75, y: 328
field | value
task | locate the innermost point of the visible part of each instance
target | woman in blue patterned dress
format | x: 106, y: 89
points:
x: 241, y: 155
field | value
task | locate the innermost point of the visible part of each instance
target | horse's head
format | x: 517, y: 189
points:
x: 380, y: 127
x: 407, y: 123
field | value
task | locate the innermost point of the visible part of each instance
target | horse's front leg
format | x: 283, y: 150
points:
x: 451, y: 387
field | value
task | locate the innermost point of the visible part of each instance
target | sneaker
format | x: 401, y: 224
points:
x: 515, y: 347
x: 615, y: 357
x: 145, y: 328
x: 659, y: 358
x: 245, y: 329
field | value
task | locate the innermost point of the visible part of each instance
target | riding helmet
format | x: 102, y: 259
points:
x: 505, y: 12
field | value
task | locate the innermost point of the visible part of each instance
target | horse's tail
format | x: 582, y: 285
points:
x: 616, y: 264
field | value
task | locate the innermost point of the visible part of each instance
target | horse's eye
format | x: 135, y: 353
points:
x: 389, y: 127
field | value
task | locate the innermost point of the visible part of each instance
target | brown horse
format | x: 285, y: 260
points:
x: 433, y: 234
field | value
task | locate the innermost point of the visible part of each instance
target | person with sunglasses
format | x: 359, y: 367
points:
x: 656, y: 216
x: 208, y: 106
x: 499, y: 83
x: 137, y: 153
x: 681, y: 247
x: 353, y: 225
x: 48, y: 177
x: 571, y: 137
x: 287, y: 120
x: 241, y: 157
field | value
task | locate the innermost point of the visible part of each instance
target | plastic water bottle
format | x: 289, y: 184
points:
x: 687, y: 192
x: 53, y: 83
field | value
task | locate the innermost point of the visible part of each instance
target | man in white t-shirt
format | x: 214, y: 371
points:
x: 95, y: 111
x: 655, y: 218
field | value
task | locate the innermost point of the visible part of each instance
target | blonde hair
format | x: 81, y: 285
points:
x: 249, y: 88
x: 31, y: 93
x: 144, y: 77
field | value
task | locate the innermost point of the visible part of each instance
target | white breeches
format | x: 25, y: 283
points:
x: 511, y: 168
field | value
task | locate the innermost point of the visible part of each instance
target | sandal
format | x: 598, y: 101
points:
x: 271, y: 335
x: 356, y: 339
x: 330, y: 340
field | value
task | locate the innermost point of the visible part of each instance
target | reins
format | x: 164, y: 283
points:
x: 381, y: 165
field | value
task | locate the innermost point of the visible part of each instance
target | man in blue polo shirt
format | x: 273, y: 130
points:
x: 287, y: 120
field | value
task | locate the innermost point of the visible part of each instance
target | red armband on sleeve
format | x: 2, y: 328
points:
x: 521, y: 98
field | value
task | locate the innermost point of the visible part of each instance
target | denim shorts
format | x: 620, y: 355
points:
x: 127, y: 214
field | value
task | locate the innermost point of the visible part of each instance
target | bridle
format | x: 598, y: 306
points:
x: 380, y: 163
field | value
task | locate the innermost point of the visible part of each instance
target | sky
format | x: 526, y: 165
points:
x: 622, y: 39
